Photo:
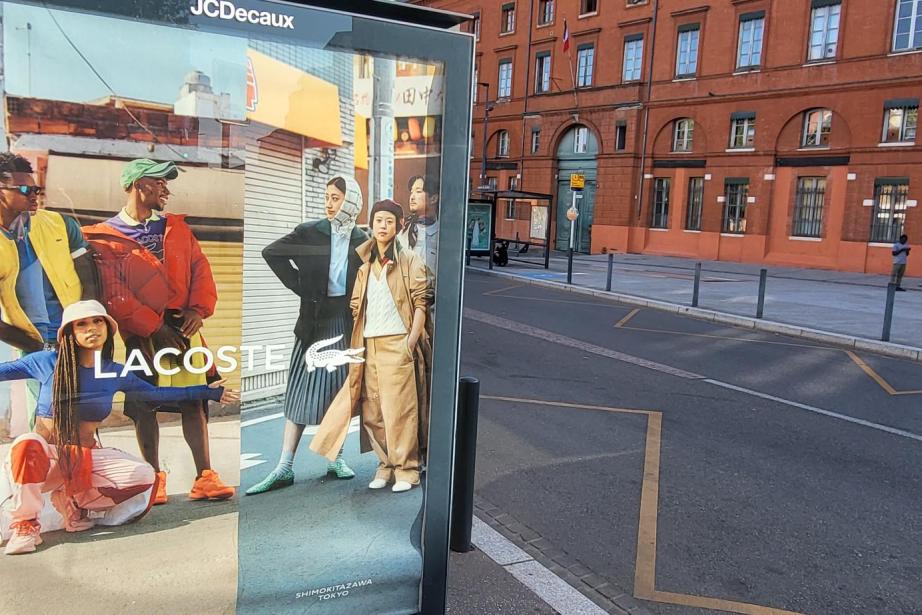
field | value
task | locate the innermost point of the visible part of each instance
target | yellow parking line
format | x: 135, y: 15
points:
x: 645, y: 567
x: 716, y: 604
x: 625, y: 320
x: 870, y: 372
x: 729, y: 338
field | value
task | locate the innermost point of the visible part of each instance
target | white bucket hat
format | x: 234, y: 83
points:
x: 85, y: 309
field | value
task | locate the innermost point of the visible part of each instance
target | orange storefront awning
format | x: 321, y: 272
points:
x: 284, y: 97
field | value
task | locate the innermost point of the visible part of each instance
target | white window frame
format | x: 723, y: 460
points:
x: 504, y: 87
x: 749, y: 27
x: 502, y: 144
x: 915, y: 15
x: 659, y: 205
x: 581, y: 140
x: 542, y: 73
x: 585, y: 60
x: 748, y: 126
x: 904, y: 114
x: 683, y: 134
x: 476, y: 26
x: 824, y: 126
x: 535, y: 141
x: 688, y: 45
x: 632, y: 65
x: 821, y: 52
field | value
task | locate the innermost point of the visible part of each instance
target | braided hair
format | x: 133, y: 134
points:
x: 66, y: 397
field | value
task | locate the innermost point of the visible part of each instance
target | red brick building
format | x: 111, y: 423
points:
x: 767, y: 131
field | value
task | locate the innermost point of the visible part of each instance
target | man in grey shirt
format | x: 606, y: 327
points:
x: 900, y: 255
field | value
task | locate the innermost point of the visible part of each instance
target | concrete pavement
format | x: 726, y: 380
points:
x: 851, y: 304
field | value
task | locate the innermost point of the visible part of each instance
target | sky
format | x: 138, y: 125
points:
x: 138, y: 60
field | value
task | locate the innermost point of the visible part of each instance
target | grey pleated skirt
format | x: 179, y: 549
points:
x: 308, y: 394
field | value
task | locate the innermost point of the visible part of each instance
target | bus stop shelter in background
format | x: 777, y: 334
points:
x: 532, y: 200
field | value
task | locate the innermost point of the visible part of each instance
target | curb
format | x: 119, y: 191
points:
x: 839, y: 339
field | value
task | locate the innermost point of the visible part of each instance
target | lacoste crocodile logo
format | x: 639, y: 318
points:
x: 315, y: 358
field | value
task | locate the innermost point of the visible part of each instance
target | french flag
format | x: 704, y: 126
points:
x: 566, y: 36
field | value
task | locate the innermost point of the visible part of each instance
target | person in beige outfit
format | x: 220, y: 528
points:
x: 390, y: 391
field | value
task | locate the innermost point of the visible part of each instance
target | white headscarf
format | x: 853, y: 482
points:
x: 344, y: 221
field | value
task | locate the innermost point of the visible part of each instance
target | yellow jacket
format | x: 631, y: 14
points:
x: 48, y: 234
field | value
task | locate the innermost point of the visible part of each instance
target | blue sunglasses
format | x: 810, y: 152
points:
x: 26, y: 190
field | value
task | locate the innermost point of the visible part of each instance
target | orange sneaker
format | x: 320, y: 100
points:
x: 208, y: 486
x: 161, y: 497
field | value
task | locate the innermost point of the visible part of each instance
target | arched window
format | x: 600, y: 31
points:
x: 817, y: 126
x: 683, y: 135
x: 502, y: 144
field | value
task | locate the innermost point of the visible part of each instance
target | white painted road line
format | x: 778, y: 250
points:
x: 814, y: 409
x: 523, y: 329
x: 557, y: 593
x: 310, y: 430
x: 563, y: 340
x: 261, y: 419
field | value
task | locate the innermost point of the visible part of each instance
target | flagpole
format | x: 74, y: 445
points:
x: 566, y: 45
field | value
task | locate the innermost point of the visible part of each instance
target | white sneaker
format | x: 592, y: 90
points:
x: 26, y: 536
x: 378, y: 483
x: 400, y: 486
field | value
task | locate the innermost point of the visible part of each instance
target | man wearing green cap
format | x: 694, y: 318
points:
x: 158, y: 286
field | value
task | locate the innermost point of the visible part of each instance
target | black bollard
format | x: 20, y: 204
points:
x: 888, y: 312
x: 763, y: 277
x: 462, y: 503
x: 611, y: 260
x: 697, y: 284
x: 570, y: 266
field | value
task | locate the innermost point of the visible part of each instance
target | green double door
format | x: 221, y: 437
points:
x: 585, y: 203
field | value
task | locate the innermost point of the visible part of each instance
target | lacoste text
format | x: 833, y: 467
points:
x: 223, y: 9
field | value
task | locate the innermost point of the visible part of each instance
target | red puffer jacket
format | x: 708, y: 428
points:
x: 138, y: 288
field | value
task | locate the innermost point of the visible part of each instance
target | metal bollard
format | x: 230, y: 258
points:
x: 570, y: 266
x: 697, y: 285
x: 462, y: 503
x: 492, y: 250
x: 611, y: 261
x: 763, y: 277
x: 888, y: 312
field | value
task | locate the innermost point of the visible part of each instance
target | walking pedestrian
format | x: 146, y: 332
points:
x: 900, y: 255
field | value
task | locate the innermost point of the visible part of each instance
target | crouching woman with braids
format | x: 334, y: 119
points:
x: 89, y: 484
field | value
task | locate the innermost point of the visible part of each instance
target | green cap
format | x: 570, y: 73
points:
x: 143, y: 167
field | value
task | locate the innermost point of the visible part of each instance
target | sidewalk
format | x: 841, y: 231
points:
x: 850, y: 304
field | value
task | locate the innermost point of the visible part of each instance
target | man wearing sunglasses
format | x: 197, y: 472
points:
x: 44, y: 263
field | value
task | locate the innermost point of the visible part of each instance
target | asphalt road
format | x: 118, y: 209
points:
x: 762, y: 472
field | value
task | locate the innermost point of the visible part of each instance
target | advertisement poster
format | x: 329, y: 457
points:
x: 223, y: 238
x: 479, y: 227
x: 538, y: 227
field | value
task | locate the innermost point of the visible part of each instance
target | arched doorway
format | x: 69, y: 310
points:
x: 576, y: 153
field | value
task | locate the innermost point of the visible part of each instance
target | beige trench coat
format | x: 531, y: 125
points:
x: 409, y: 284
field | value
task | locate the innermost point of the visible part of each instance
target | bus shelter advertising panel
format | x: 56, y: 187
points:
x: 231, y: 240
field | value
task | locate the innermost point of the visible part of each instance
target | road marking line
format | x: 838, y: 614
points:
x: 867, y: 369
x: 502, y: 290
x: 645, y: 563
x: 718, y: 604
x: 829, y: 413
x: 645, y: 568
x: 557, y: 593
x: 523, y: 329
x: 625, y: 320
x: 562, y: 404
x: 262, y: 419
